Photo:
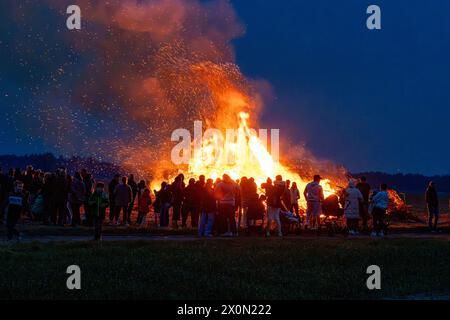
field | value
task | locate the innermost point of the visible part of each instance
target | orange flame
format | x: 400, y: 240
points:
x: 245, y: 154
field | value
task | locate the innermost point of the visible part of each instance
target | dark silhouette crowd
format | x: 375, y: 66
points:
x: 220, y: 207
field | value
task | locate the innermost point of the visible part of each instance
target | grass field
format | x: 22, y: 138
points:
x: 253, y: 268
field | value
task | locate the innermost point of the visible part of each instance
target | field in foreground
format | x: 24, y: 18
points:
x: 226, y: 269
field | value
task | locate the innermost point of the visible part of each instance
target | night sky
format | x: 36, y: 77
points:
x: 370, y: 100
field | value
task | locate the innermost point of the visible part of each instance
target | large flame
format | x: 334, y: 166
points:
x: 243, y: 154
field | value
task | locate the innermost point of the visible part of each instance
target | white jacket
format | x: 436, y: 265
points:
x: 352, y: 199
x: 380, y: 200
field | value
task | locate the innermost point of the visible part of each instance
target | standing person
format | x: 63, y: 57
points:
x: 432, y: 200
x: 7, y: 188
x: 238, y: 204
x: 112, y: 199
x: 274, y: 194
x: 313, y: 194
x: 47, y: 195
x: 177, y: 188
x: 286, y: 197
x: 18, y: 176
x: 208, y: 210
x: 225, y: 192
x: 295, y: 197
x: 89, y: 184
x: 165, y: 200
x: 59, y: 195
x: 191, y: 204
x: 252, y: 203
x: 69, y: 212
x: 98, y: 202
x: 35, y: 185
x: 245, y: 200
x: 3, y: 193
x: 353, y: 199
x: 364, y: 188
x: 122, y: 197
x: 77, y: 197
x: 144, y: 203
x: 28, y: 178
x: 38, y: 208
x: 141, y: 186
x: 134, y: 190
x: 378, y: 206
x: 15, y: 205
x: 199, y: 188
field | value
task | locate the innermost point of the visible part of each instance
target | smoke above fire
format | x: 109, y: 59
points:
x: 157, y: 66
x: 137, y: 70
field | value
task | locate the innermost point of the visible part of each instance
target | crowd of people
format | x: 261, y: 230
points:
x: 213, y: 207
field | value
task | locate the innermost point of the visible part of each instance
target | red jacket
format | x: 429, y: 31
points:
x: 144, y: 202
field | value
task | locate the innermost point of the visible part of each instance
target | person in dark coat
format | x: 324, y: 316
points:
x: 18, y: 175
x: 112, y: 199
x: 98, y: 202
x: 432, y: 200
x: 4, y: 191
x: 77, y: 197
x: 286, y: 197
x: 225, y: 192
x: 134, y: 191
x: 177, y: 189
x: 89, y: 184
x: 208, y: 209
x: 36, y: 184
x: 47, y: 190
x: 28, y: 178
x: 165, y: 202
x: 59, y: 196
x: 16, y: 203
x: 122, y: 197
x: 191, y: 204
x: 364, y: 188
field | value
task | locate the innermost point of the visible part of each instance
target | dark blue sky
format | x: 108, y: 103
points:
x: 371, y: 100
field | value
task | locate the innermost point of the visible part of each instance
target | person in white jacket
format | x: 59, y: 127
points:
x: 314, y: 196
x: 353, y: 199
x: 378, y: 206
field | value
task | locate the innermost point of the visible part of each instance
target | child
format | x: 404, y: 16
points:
x: 15, y: 205
x: 98, y: 202
x: 144, y: 203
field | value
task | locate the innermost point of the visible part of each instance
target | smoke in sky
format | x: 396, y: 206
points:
x: 136, y: 71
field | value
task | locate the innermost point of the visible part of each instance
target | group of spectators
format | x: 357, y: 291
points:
x: 360, y: 203
x: 219, y: 207
x: 53, y: 198
x: 223, y: 206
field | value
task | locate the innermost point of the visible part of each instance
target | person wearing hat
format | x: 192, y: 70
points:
x: 314, y: 197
